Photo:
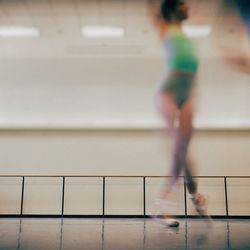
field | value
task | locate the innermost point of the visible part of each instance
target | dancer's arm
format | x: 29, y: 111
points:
x: 155, y: 16
x: 239, y: 61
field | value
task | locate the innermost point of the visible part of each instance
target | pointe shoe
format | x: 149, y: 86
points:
x: 161, y: 216
x: 200, y: 204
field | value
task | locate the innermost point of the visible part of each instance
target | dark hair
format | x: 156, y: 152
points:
x: 167, y: 8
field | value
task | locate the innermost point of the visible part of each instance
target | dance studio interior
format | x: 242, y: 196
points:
x: 84, y: 149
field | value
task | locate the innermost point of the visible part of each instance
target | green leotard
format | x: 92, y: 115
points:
x: 182, y: 64
x: 181, y: 51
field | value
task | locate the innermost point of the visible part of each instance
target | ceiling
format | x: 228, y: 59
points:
x: 59, y: 23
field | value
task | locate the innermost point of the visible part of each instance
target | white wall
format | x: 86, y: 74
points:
x: 110, y: 152
x: 112, y: 92
x: 117, y: 152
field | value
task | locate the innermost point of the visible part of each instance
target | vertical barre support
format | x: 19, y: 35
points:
x: 22, y: 195
x: 226, y: 197
x: 103, y: 194
x: 63, y: 191
x: 185, y: 196
x: 144, y: 196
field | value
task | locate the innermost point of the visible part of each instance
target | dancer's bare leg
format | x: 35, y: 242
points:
x: 186, y: 131
x: 180, y: 130
x: 189, y: 171
x: 170, y: 114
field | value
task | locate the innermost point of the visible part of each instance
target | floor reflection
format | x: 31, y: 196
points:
x: 109, y: 234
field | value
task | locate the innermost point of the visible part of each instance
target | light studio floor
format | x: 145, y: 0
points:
x: 127, y: 234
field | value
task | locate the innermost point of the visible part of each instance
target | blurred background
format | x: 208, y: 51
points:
x: 55, y: 75
x: 77, y: 90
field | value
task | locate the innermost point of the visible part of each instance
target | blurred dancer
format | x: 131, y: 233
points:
x: 175, y: 99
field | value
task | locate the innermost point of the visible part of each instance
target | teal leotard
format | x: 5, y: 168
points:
x: 182, y: 64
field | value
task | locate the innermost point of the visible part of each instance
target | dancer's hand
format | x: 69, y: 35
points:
x: 239, y: 61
